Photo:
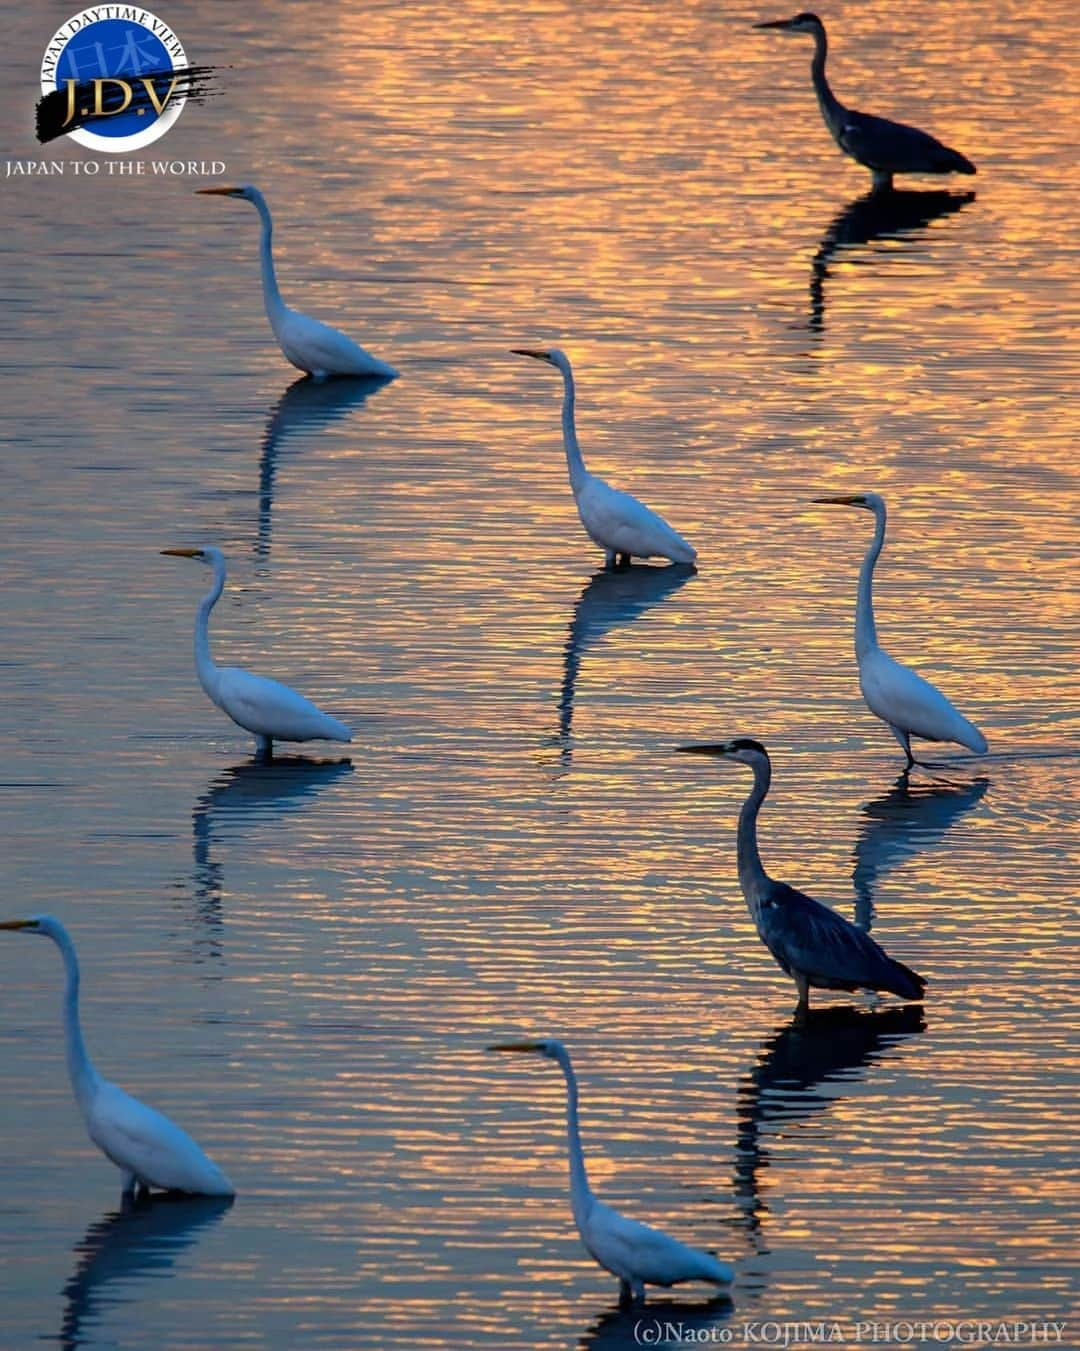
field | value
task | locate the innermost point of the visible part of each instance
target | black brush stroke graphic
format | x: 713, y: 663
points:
x: 194, y: 83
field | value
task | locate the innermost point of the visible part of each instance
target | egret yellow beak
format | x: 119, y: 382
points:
x: 850, y: 500
x: 183, y: 553
x: 216, y: 192
x: 538, y: 353
x: 712, y: 748
x: 515, y: 1046
x: 15, y: 923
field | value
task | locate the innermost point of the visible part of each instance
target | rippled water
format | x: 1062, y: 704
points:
x: 303, y: 962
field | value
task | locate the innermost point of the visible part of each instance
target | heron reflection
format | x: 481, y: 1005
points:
x: 610, y: 600
x: 140, y: 1242
x: 237, y: 800
x: 906, y: 820
x: 308, y: 405
x: 619, y: 1329
x: 819, y: 1047
x: 875, y: 215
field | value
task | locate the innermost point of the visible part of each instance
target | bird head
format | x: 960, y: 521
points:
x: 245, y: 190
x: 742, y: 748
x: 801, y: 23
x: 551, y: 355
x: 209, y: 556
x: 549, y: 1047
x: 868, y: 501
x: 36, y: 924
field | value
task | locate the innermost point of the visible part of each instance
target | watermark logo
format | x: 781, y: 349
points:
x: 115, y: 78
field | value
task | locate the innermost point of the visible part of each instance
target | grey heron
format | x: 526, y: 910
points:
x: 812, y: 944
x: 883, y: 147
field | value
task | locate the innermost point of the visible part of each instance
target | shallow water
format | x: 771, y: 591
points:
x: 303, y: 962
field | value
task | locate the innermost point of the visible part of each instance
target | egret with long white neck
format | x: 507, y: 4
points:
x: 883, y: 147
x: 811, y: 943
x: 308, y: 343
x: 908, y: 703
x: 148, y: 1148
x: 268, y: 709
x: 616, y: 522
x: 634, y: 1252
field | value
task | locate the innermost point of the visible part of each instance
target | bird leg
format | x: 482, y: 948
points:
x: 626, y: 1296
x: 802, y: 984
x: 609, y: 559
x: 882, y: 180
x: 264, y: 747
x: 904, y: 739
x: 130, y: 1183
x: 624, y: 561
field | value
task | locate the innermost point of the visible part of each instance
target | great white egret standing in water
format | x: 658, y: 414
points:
x: 269, y: 709
x: 309, y: 344
x: 908, y: 703
x: 616, y: 522
x: 883, y: 147
x: 148, y: 1148
x: 812, y: 944
x: 634, y: 1252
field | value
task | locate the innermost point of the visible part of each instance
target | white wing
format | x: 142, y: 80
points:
x: 314, y: 346
x: 899, y: 696
x: 636, y: 1252
x: 269, y: 708
x: 140, y: 1140
x: 615, y: 520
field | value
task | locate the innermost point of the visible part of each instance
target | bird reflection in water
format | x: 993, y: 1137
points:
x: 619, y: 1329
x: 822, y: 1046
x: 308, y: 405
x: 141, y: 1241
x: 905, y: 821
x: 239, y: 799
x: 610, y: 600
x: 877, y: 215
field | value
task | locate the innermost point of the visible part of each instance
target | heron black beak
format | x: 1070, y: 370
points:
x: 515, y: 1046
x: 709, y: 748
x: 183, y: 553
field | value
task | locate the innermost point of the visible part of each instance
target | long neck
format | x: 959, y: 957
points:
x: 831, y: 108
x: 275, y: 306
x: 752, y: 876
x: 574, y: 460
x: 204, y: 663
x: 580, y: 1193
x: 84, y: 1078
x: 865, y: 632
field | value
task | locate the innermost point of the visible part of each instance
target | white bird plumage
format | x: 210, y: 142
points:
x: 909, y: 704
x: 308, y: 343
x: 148, y: 1148
x: 634, y: 1252
x: 616, y: 522
x: 270, y: 710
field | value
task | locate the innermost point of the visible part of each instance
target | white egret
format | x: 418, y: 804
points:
x: 634, y: 1252
x: 148, y: 1148
x: 272, y: 711
x: 811, y: 943
x: 908, y: 703
x: 616, y: 522
x: 309, y: 344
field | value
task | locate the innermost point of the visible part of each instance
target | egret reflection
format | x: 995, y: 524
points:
x: 140, y: 1242
x: 903, y: 822
x: 876, y: 215
x: 823, y: 1046
x: 610, y: 600
x: 619, y: 1329
x: 235, y: 802
x: 308, y: 405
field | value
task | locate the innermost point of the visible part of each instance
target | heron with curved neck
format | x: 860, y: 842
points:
x: 634, y: 1252
x: 880, y: 145
x: 148, y: 1148
x: 616, y: 522
x: 309, y: 344
x: 268, y: 709
x: 811, y: 943
x: 909, y: 704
